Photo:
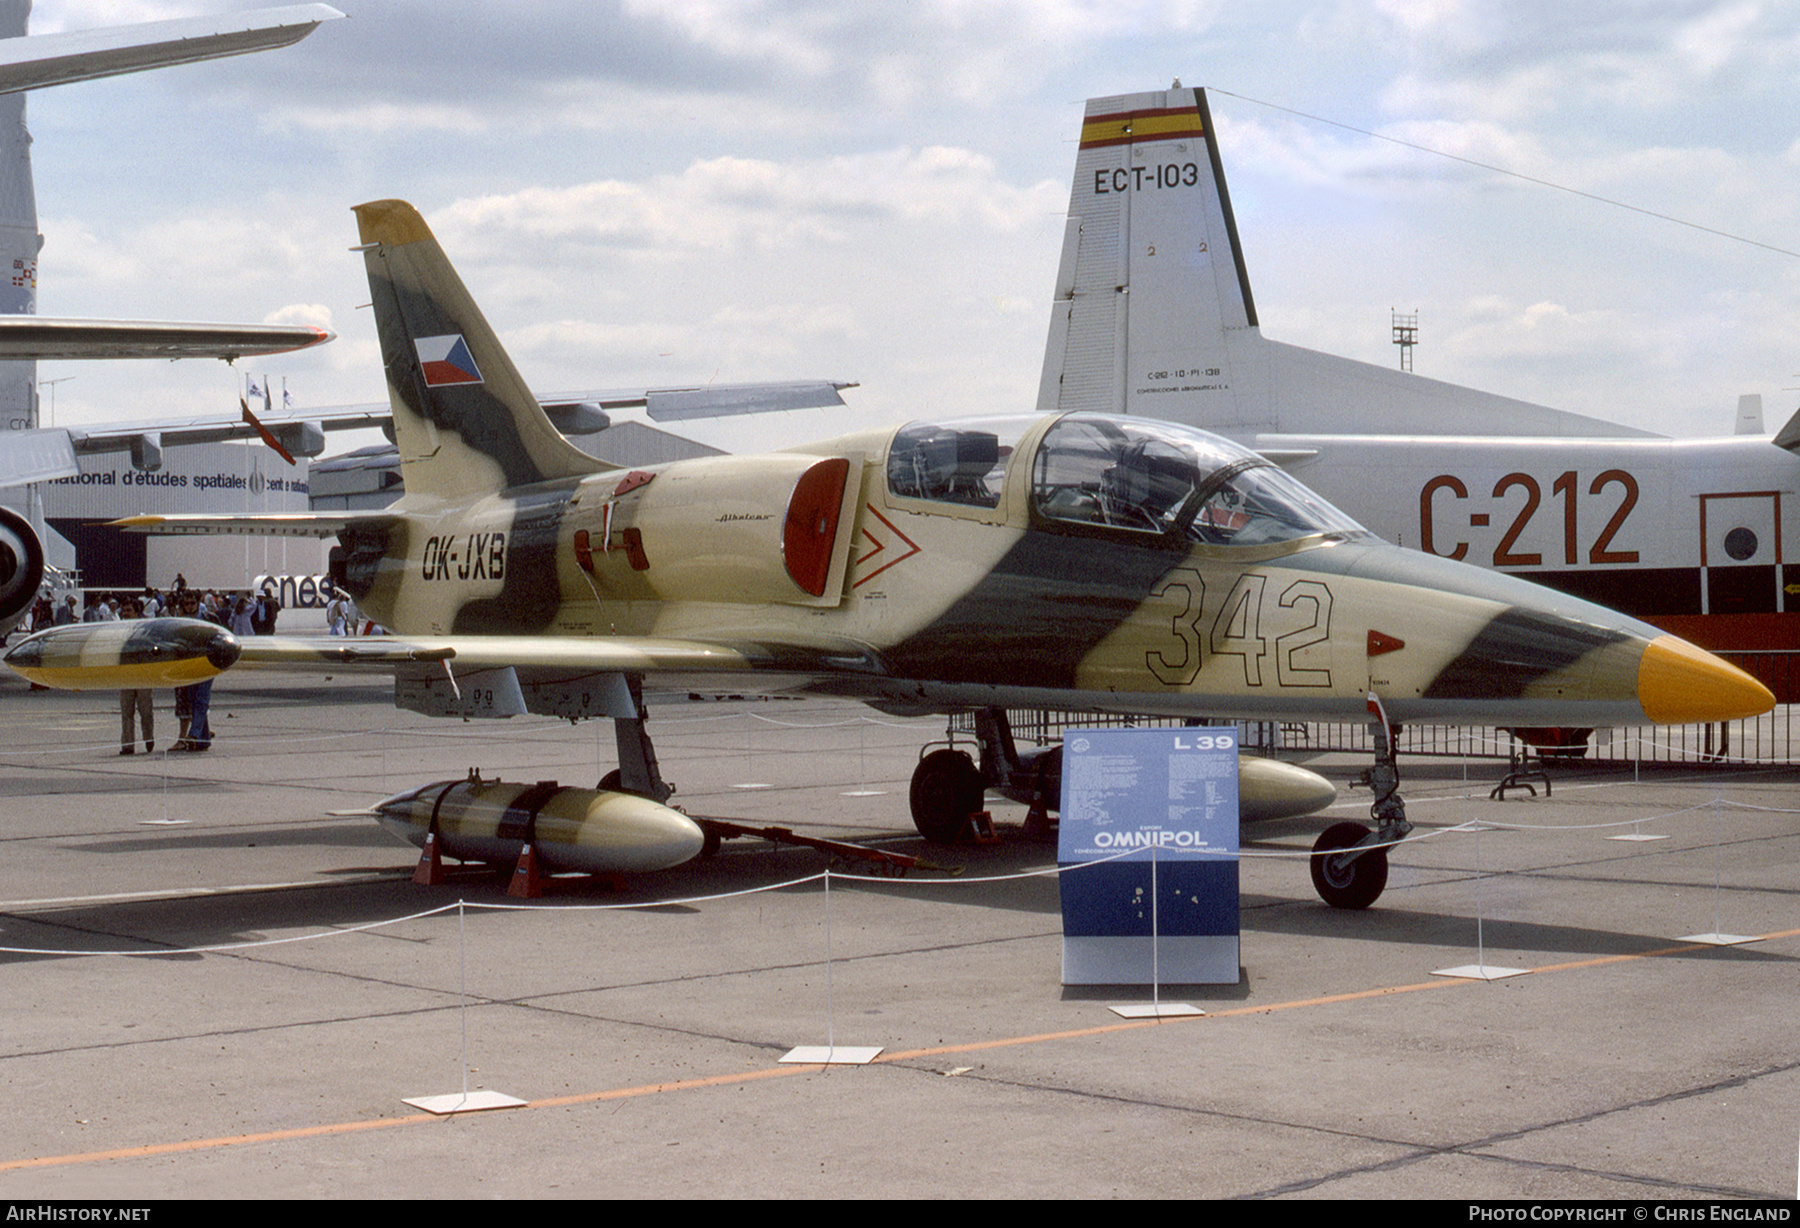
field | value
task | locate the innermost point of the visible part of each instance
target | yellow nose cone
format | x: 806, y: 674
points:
x: 1679, y: 684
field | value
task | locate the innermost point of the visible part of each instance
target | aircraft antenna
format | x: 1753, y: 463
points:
x: 1501, y: 170
x: 1406, y: 335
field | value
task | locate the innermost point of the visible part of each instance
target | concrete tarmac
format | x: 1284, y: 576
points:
x: 1626, y: 1063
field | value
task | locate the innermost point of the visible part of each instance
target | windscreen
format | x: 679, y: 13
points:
x: 1152, y: 477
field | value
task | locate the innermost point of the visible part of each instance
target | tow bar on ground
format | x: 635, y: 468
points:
x: 879, y: 861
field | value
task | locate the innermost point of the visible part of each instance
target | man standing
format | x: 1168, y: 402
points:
x: 135, y: 705
x: 192, y: 703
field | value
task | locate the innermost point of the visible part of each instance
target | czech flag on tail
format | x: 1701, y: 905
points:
x: 446, y: 361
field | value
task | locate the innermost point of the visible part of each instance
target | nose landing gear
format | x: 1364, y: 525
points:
x: 1350, y: 861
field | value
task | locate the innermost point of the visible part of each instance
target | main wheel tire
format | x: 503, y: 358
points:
x: 946, y: 790
x: 1355, y: 884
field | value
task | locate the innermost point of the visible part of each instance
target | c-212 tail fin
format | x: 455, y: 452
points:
x: 1152, y: 280
x: 1153, y: 312
x: 464, y: 420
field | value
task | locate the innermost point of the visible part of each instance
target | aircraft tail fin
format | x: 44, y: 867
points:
x: 1749, y: 415
x: 1152, y: 276
x: 1153, y: 313
x: 464, y: 420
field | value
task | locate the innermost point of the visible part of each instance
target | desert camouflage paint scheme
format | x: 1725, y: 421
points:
x: 1079, y: 561
x: 1084, y: 561
x: 128, y: 655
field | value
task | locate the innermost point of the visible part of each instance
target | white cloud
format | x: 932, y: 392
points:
x: 771, y: 189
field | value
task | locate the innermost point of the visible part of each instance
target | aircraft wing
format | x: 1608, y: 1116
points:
x: 52, y: 453
x: 85, y: 55
x: 42, y: 337
x: 249, y: 524
x: 493, y: 676
x: 486, y: 677
x: 573, y: 413
x: 486, y: 652
x: 679, y: 402
x: 584, y: 412
x: 456, y: 675
x: 299, y: 431
x: 43, y: 453
x: 36, y: 456
x: 40, y: 454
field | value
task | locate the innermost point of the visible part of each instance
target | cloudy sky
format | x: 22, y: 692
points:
x: 667, y: 190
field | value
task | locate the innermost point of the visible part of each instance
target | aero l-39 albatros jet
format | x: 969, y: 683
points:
x: 1080, y: 561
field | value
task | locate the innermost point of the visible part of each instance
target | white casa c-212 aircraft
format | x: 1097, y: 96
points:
x: 1154, y: 315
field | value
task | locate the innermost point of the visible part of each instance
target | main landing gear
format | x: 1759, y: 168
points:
x: 1349, y: 861
x: 637, y: 771
x: 948, y: 785
x: 639, y: 774
x: 946, y: 790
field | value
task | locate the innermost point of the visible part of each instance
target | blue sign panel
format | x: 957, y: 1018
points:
x: 1149, y: 843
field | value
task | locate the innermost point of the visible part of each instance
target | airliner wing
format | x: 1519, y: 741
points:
x: 39, y: 455
x: 299, y: 431
x: 42, y: 337
x: 682, y: 401
x: 84, y: 55
x: 584, y: 412
x: 216, y: 428
x: 44, y: 453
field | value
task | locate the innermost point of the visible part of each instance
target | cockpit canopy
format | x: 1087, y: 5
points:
x: 1137, y: 475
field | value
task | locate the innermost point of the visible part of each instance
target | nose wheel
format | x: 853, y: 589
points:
x: 1343, y: 877
x: 1350, y: 860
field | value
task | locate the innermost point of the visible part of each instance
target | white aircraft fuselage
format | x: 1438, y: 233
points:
x: 1154, y: 316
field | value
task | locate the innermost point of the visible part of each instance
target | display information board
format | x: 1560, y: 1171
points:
x: 1149, y: 829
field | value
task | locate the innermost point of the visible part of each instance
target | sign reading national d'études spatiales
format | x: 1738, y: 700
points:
x: 1149, y: 850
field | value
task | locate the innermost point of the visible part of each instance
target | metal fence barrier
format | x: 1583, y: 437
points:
x: 1766, y: 740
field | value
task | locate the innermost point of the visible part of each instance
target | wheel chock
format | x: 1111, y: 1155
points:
x: 981, y: 828
x: 430, y: 870
x: 525, y: 883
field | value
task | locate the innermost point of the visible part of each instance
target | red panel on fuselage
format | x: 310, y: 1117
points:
x: 810, y: 532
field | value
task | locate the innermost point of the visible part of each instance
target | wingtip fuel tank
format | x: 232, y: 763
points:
x: 154, y: 652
